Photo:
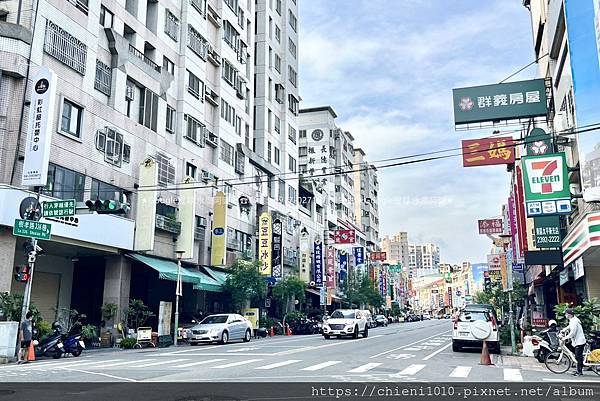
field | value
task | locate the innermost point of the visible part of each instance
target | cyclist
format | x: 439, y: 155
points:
x: 577, y: 339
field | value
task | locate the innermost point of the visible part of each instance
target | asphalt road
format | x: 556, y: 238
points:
x: 406, y: 352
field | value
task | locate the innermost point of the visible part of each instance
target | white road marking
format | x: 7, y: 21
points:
x: 230, y: 365
x: 512, y: 375
x: 406, y: 345
x: 411, y: 370
x: 191, y: 349
x: 78, y: 363
x: 147, y: 365
x: 436, y: 352
x: 332, y: 344
x: 461, y: 371
x: 321, y: 365
x: 364, y: 368
x: 278, y: 364
x: 187, y: 365
x: 110, y: 365
x: 100, y: 374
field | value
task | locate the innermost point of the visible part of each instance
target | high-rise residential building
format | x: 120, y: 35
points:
x: 397, y: 249
x: 424, y: 259
x: 366, y: 189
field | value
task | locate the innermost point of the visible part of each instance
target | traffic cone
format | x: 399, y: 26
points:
x: 271, y: 332
x: 288, y: 331
x: 485, y: 355
x: 31, y: 352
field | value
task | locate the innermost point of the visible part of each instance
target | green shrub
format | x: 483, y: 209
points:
x: 128, y: 343
x: 43, y: 328
x: 89, y: 332
x: 505, y: 335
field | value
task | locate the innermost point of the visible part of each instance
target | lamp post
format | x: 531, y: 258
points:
x: 178, y: 293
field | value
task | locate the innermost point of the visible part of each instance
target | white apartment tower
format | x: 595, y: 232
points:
x: 366, y: 197
x: 397, y: 249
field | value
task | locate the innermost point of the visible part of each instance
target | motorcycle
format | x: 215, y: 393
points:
x: 545, y: 342
x: 73, y: 341
x: 51, y: 345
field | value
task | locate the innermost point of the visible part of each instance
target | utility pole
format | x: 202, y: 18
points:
x: 511, y: 324
x: 31, y: 257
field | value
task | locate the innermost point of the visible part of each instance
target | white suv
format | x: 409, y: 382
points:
x: 473, y: 326
x: 346, y: 322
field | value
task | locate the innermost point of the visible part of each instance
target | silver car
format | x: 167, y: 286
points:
x: 221, y: 328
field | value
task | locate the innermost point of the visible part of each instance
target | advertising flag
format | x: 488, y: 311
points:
x: 318, y: 262
x: 264, y: 243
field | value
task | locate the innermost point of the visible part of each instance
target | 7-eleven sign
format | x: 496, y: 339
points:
x: 545, y: 177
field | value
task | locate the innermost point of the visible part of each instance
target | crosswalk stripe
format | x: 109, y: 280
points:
x: 145, y: 365
x: 411, y: 370
x: 512, y: 375
x: 110, y: 365
x: 279, y: 364
x: 187, y: 365
x: 229, y: 365
x: 461, y: 371
x: 321, y: 365
x: 364, y: 368
x: 78, y: 363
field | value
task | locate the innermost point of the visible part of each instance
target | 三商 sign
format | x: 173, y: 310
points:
x: 545, y: 178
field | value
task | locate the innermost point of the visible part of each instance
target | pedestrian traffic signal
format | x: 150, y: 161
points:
x: 109, y: 206
x: 22, y: 273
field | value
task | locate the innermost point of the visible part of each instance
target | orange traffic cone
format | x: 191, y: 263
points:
x: 271, y: 332
x: 485, y: 355
x: 288, y: 331
x: 31, y: 352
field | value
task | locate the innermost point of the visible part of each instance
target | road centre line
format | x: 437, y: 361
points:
x: 312, y: 348
x: 407, y: 345
x: 436, y: 352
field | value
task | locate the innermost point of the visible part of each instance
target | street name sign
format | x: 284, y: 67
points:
x: 31, y: 229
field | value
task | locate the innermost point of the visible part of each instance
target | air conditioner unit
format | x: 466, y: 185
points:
x: 206, y: 176
x: 211, y: 139
x: 129, y: 93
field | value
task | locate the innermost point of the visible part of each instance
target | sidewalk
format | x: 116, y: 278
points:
x: 506, y: 360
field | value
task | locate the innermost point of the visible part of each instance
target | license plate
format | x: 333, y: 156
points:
x: 463, y: 334
x: 198, y: 337
x: 81, y: 344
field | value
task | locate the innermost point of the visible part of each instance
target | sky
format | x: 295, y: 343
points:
x: 387, y: 68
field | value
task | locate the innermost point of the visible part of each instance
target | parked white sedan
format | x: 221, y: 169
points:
x: 221, y: 328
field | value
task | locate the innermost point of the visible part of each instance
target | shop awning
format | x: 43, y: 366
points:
x: 167, y: 270
x: 313, y: 291
x: 219, y: 276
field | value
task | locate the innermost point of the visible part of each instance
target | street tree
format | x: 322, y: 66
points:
x: 360, y: 291
x: 289, y: 289
x: 245, y: 284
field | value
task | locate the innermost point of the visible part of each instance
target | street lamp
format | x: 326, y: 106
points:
x: 178, y: 293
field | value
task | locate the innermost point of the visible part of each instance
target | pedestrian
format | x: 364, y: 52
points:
x: 25, y: 336
x: 577, y: 339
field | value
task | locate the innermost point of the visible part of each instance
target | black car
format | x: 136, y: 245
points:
x: 380, y: 320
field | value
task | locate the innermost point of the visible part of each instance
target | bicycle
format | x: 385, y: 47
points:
x: 563, y: 359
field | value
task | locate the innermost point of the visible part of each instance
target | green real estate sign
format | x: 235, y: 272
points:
x: 547, y: 232
x: 508, y: 101
x: 59, y: 208
x: 31, y: 229
x: 546, y: 182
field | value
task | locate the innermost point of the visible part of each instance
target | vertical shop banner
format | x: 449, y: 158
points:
x: 187, y: 216
x: 304, y: 257
x: 578, y: 271
x: 146, y: 206
x: 318, y: 262
x: 39, y: 129
x: 512, y: 222
x: 359, y: 259
x: 343, y: 266
x: 277, y: 250
x: 450, y: 296
x: 583, y: 22
x: 219, y: 232
x: 330, y: 267
x: 503, y: 271
x: 521, y: 219
x: 381, y: 283
x: 264, y: 243
x: 322, y: 296
x: 329, y: 296
x: 495, y: 267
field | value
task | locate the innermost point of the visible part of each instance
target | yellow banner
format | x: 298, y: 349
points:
x: 145, y: 208
x: 219, y: 232
x: 264, y: 243
x: 329, y: 296
x: 503, y: 271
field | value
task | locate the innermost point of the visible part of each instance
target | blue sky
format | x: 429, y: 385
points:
x: 388, y: 68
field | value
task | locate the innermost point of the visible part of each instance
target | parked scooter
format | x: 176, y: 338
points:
x: 73, y: 340
x: 51, y: 345
x: 545, y: 342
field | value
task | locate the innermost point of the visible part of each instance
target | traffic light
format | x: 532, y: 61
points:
x: 22, y: 273
x: 109, y: 206
x: 488, y: 284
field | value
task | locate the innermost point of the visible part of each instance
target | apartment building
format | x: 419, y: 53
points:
x: 423, y: 259
x: 366, y: 189
x: 397, y: 249
x: 154, y: 103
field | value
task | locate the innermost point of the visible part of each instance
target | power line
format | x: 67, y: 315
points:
x: 524, y: 68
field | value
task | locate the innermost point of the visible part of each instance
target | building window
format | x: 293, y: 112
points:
x: 277, y: 156
x: 171, y: 25
x: 103, y: 79
x: 190, y: 170
x: 231, y: 36
x: 195, y: 131
x: 293, y: 20
x: 195, y: 86
x: 292, y: 47
x: 277, y: 63
x: 302, y: 133
x: 106, y: 17
x: 278, y: 6
x: 277, y: 34
x: 197, y: 43
x: 168, y: 65
x: 65, y: 47
x: 303, y: 168
x: 71, y: 119
x: 64, y: 183
x: 279, y: 93
x: 281, y: 196
x: 293, y: 104
x: 229, y: 73
x: 277, y: 124
x: 228, y: 112
x: 239, y: 162
x: 233, y: 4
x: 292, y: 194
x: 226, y: 153
x: 292, y: 76
x: 199, y: 5
x: 302, y: 151
x: 292, y: 134
x: 166, y: 170
x: 238, y: 125
x: 148, y: 109
x: 110, y: 142
x: 269, y: 152
x: 103, y: 191
x: 170, y: 120
x: 291, y: 164
x: 271, y: 188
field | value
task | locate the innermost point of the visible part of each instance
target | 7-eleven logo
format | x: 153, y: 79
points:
x: 546, y: 176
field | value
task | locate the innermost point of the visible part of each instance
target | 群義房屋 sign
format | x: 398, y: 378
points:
x: 507, y: 101
x: 39, y: 130
x: 488, y: 151
x: 490, y: 226
x: 546, y: 183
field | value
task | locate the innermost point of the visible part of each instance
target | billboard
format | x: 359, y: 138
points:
x: 507, y: 101
x: 491, y: 226
x: 264, y: 243
x: 583, y: 22
x: 546, y: 183
x: 378, y: 256
x: 345, y: 236
x: 488, y: 151
x: 219, y: 232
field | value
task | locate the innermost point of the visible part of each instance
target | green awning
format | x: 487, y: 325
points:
x: 167, y: 270
x: 218, y: 275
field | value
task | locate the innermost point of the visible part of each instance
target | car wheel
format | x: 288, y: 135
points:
x: 326, y: 336
x: 247, y: 336
x: 456, y: 347
x: 193, y: 343
x: 355, y: 333
x: 224, y: 337
x: 366, y: 332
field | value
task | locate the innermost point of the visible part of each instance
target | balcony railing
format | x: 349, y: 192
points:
x: 168, y: 224
x: 138, y: 54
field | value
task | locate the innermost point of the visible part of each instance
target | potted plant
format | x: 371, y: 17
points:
x: 108, y: 311
x: 89, y: 333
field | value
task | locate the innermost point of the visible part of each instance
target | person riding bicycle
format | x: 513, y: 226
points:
x: 575, y: 334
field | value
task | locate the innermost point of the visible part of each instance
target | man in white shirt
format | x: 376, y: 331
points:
x: 577, y: 339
